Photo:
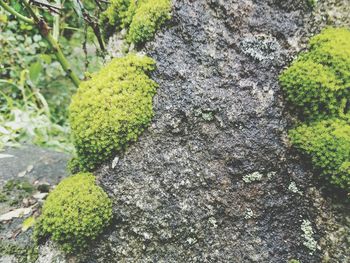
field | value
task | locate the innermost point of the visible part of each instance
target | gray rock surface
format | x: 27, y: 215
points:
x: 32, y: 163
x: 23, y: 172
x: 214, y: 178
x: 49, y: 253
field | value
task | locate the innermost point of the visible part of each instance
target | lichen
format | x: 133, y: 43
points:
x: 248, y: 213
x: 308, y: 233
x: 294, y: 189
x: 256, y: 176
x: 111, y: 109
x: 75, y: 213
x: 260, y: 48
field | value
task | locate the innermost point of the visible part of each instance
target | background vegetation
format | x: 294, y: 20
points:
x: 34, y: 90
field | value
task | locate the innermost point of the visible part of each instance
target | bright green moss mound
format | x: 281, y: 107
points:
x: 328, y: 144
x: 75, y: 212
x: 141, y: 18
x: 112, y: 109
x: 317, y: 84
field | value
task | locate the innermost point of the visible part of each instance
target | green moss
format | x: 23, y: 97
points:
x: 141, y: 18
x: 317, y: 83
x: 27, y: 254
x: 3, y: 198
x: 312, y: 3
x: 331, y: 48
x: 112, y: 109
x: 28, y: 223
x: 15, y: 190
x: 148, y: 18
x: 21, y: 185
x: 75, y: 213
x: 116, y: 13
x: 328, y: 144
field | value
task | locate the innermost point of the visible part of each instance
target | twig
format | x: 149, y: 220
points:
x: 92, y: 22
x: 45, y: 32
x: 16, y: 14
x: 43, y: 4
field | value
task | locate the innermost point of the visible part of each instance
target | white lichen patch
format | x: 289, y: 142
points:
x: 271, y: 174
x: 256, y: 176
x: 261, y: 47
x: 294, y: 189
x: 213, y: 222
x: 248, y: 213
x: 309, y: 240
x: 115, y: 162
x: 191, y: 240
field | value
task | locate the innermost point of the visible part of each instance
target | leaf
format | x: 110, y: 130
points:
x: 4, y: 131
x: 78, y: 9
x: 34, y: 71
x: 37, y: 38
x: 46, y: 58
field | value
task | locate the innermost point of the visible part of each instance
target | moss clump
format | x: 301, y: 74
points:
x: 75, y: 212
x: 141, y: 18
x: 328, y: 144
x: 27, y: 254
x: 312, y: 3
x: 117, y: 13
x: 112, y: 109
x: 15, y: 190
x: 317, y: 84
x: 147, y: 20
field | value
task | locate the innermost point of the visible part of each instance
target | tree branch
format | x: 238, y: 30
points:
x: 45, y: 32
x: 92, y: 22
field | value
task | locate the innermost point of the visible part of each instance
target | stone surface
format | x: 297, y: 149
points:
x: 34, y: 164
x: 179, y: 193
x: 36, y: 167
x: 20, y: 212
x: 50, y: 254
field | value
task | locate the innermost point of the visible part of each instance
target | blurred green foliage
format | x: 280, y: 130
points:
x: 34, y: 91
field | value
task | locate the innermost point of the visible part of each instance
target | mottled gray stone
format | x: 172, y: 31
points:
x: 178, y: 192
x: 36, y: 166
x: 49, y: 253
x: 33, y: 164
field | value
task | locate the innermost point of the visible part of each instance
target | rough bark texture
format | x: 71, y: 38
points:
x: 213, y: 179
